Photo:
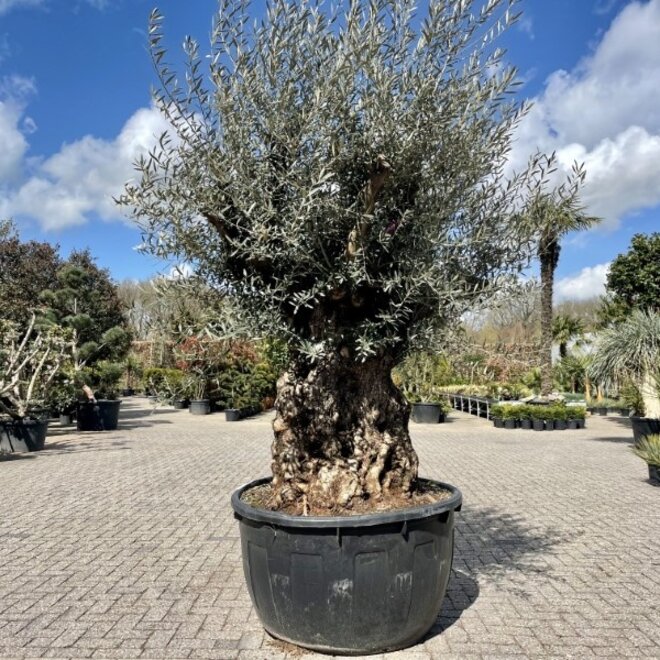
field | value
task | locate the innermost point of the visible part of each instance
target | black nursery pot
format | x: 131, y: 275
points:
x: 102, y: 415
x: 65, y: 420
x: 560, y: 425
x: 509, y: 424
x: 180, y: 404
x: 654, y: 474
x: 426, y: 413
x: 233, y: 414
x: 201, y: 407
x: 573, y: 424
x: 348, y: 584
x: 23, y: 435
x: 498, y: 423
x: 538, y: 424
x: 526, y: 424
x: 600, y: 410
x: 128, y: 391
x: 644, y: 426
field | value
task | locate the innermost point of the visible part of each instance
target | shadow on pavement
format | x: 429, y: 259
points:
x: 493, y: 544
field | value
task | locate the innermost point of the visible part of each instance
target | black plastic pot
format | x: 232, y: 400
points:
x: 180, y: 404
x: 526, y: 424
x: 232, y: 414
x: 426, y: 413
x: 65, y: 420
x: 509, y: 424
x: 23, y: 435
x: 573, y: 424
x: 644, y: 426
x: 538, y: 424
x: 348, y: 584
x: 201, y: 407
x: 128, y: 391
x: 498, y: 423
x: 102, y: 415
x: 600, y: 410
x: 560, y: 425
x: 654, y: 474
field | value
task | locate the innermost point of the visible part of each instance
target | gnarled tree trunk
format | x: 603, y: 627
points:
x: 341, y: 433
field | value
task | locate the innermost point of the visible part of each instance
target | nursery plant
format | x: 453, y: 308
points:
x: 29, y: 361
x: 648, y: 449
x: 631, y: 350
x: 342, y: 180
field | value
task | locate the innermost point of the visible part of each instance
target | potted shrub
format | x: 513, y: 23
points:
x: 511, y: 415
x: 420, y: 388
x: 29, y: 362
x: 539, y: 415
x: 576, y: 417
x: 323, y: 206
x: 648, y: 449
x: 497, y: 415
x: 98, y: 409
x: 525, y: 416
x: 132, y: 374
x: 63, y: 397
x: 560, y: 418
x: 630, y: 351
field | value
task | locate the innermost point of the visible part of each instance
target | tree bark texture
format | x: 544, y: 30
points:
x: 549, y: 257
x: 341, y: 434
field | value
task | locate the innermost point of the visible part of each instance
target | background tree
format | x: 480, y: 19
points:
x: 555, y: 212
x: 566, y: 329
x: 85, y: 301
x: 633, y: 281
x: 26, y: 269
x: 343, y: 182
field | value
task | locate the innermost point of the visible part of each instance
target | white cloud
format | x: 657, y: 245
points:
x: 589, y: 282
x: 7, y: 5
x: 14, y: 92
x: 81, y: 179
x: 606, y: 112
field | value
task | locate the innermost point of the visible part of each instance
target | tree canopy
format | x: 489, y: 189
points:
x: 633, y: 281
x: 343, y: 177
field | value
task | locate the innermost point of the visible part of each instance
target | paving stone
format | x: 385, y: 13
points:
x: 123, y: 544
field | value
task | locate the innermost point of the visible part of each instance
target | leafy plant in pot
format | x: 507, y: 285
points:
x: 62, y: 396
x: 417, y: 375
x: 361, y: 218
x: 29, y: 362
x: 648, y: 449
x: 98, y: 408
x: 576, y: 416
x: 630, y: 350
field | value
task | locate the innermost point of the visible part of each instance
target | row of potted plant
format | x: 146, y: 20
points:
x: 538, y: 417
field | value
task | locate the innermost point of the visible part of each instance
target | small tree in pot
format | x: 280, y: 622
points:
x: 29, y: 362
x: 631, y: 350
x: 343, y: 182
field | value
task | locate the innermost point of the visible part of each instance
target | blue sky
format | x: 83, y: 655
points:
x: 75, y: 110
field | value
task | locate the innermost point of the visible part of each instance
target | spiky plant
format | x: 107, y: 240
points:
x: 631, y: 349
x: 566, y: 328
x: 648, y: 449
x: 343, y: 182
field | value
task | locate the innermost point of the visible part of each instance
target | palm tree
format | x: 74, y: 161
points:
x: 632, y: 349
x: 554, y: 214
x: 564, y: 329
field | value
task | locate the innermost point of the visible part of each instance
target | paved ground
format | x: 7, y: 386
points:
x: 122, y: 545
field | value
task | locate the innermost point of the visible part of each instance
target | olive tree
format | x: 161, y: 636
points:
x: 340, y: 174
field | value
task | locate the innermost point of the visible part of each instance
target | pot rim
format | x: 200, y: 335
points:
x: 24, y: 421
x: 244, y: 510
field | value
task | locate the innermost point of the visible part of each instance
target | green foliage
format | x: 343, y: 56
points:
x: 421, y: 376
x: 26, y: 269
x: 349, y: 171
x: 85, y: 301
x: 631, y: 349
x: 63, y: 393
x: 103, y: 377
x: 565, y: 329
x: 632, y: 399
x: 633, y: 280
x: 648, y: 449
x: 546, y: 412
